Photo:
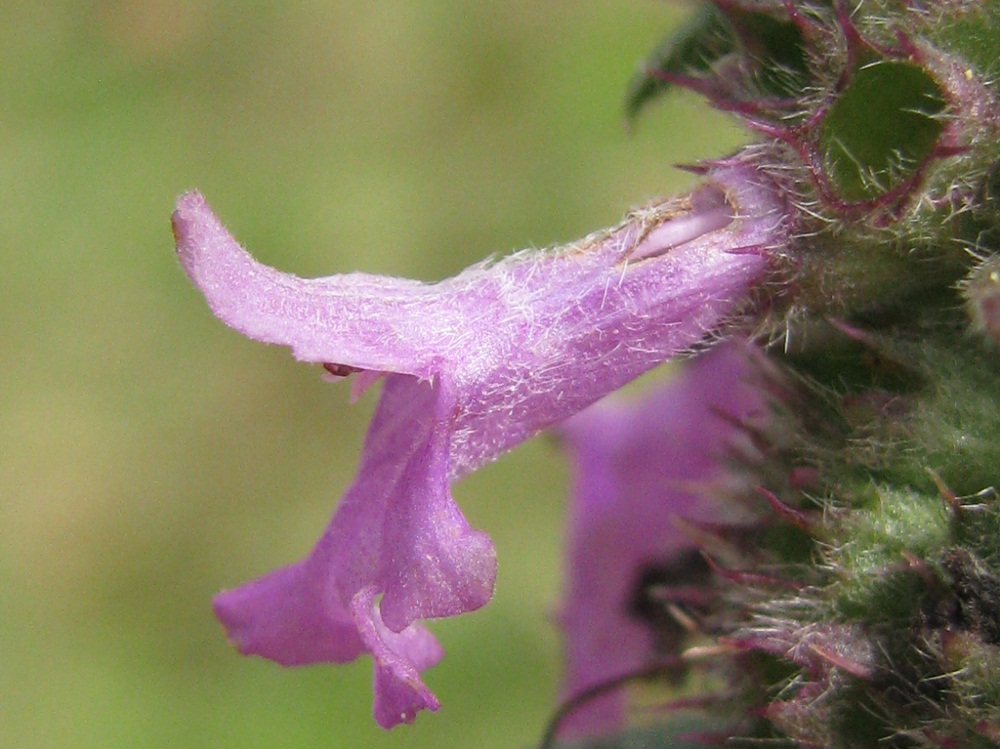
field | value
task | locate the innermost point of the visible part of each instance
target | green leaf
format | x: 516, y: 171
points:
x: 774, y: 60
x: 775, y: 50
x: 881, y: 128
x: 693, y: 48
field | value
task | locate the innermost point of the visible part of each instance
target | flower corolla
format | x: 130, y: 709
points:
x: 682, y: 451
x: 471, y: 366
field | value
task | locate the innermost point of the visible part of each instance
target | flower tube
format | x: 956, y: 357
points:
x: 472, y: 366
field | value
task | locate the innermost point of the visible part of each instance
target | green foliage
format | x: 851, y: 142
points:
x: 922, y: 398
x: 882, y: 122
x: 970, y: 29
x: 692, y: 48
x: 881, y: 128
x: 878, y: 586
x: 768, y: 49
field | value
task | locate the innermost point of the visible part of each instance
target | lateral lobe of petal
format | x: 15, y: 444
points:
x: 399, y: 658
x: 290, y: 616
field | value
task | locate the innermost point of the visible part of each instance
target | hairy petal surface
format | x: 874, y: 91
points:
x: 637, y: 467
x: 472, y: 365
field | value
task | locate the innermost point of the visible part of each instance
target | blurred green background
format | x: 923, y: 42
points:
x: 149, y: 456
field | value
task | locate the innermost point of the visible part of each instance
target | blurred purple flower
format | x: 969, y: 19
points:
x: 472, y: 366
x: 637, y: 466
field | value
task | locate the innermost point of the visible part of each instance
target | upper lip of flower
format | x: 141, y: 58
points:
x: 475, y: 364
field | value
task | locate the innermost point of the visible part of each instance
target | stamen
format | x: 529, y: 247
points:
x: 710, y: 212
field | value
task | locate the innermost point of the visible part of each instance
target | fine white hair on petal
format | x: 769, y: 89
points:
x: 472, y: 366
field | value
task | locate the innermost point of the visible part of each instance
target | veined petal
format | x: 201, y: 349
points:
x: 475, y: 364
x: 637, y: 466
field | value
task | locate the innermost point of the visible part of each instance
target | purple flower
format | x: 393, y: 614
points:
x: 638, y: 466
x: 472, y: 366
